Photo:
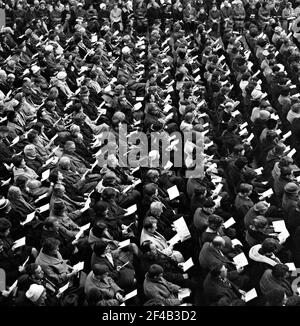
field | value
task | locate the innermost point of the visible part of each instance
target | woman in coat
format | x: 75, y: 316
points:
x: 53, y: 264
x: 156, y: 287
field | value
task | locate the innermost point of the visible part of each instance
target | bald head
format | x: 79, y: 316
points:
x: 64, y: 163
x: 218, y: 242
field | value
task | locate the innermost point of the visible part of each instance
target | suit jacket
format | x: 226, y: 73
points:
x: 209, y: 256
x: 215, y: 289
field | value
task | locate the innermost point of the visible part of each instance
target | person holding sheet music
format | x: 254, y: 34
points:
x: 172, y: 270
x: 156, y: 287
x: 16, y: 254
x: 217, y: 286
x: 100, y: 283
x: 53, y: 264
x: 149, y: 233
x: 119, y: 264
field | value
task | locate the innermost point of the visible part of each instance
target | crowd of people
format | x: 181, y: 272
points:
x: 77, y: 228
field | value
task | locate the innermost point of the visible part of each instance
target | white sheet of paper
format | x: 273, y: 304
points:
x: 167, y: 108
x: 183, y: 293
x: 291, y: 266
x: 19, y: 243
x: 130, y: 210
x: 138, y: 105
x: 11, y: 288
x: 173, y: 192
x: 94, y: 38
x: 243, y: 132
x: 45, y: 175
x: 188, y: 264
x: 259, y: 170
x: 240, y: 260
x: 130, y: 295
x: 168, y: 165
x: 266, y: 194
x: 124, y: 243
x: 79, y: 266
x: 287, y: 135
x: 216, y: 179
x: 279, y: 226
x: 218, y: 189
x: 235, y: 113
x: 250, y: 295
x: 82, y: 229
x: 291, y: 153
x: 29, y: 218
x: 182, y: 229
x: 63, y: 288
x: 229, y: 222
x: 174, y: 240
x: 283, y: 236
x: 44, y: 208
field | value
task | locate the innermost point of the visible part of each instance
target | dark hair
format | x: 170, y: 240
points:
x: 149, y: 222
x: 21, y: 181
x: 31, y: 268
x: 98, y: 228
x: 32, y: 135
x: 145, y: 246
x: 108, y: 194
x: 271, y: 123
x: 49, y: 222
x: 215, y: 221
x: 49, y: 245
x: 269, y: 245
x: 155, y: 270
x: 285, y: 170
x: 17, y: 160
x: 279, y: 270
x: 150, y: 189
x: 99, y: 247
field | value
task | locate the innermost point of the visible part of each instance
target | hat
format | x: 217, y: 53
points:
x: 34, y: 292
x: 61, y: 75
x: 30, y: 151
x: 79, y: 4
x: 125, y: 50
x: 3, y: 203
x: 261, y: 205
x: 102, y: 5
x: 291, y: 188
